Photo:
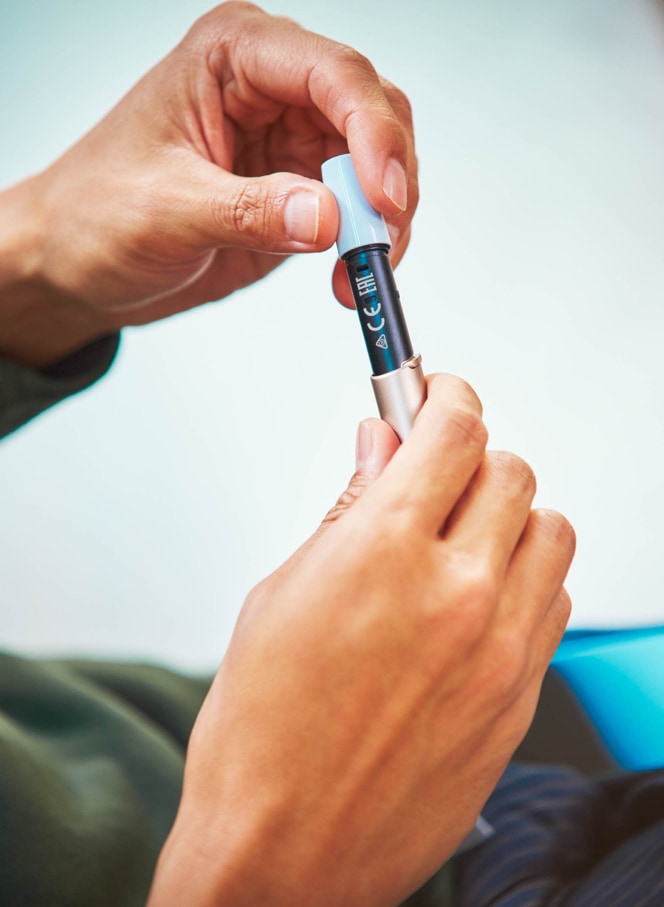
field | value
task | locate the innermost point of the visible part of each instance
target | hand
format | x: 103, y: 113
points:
x: 206, y: 175
x: 377, y: 684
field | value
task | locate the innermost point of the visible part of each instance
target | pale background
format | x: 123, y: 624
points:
x: 135, y: 518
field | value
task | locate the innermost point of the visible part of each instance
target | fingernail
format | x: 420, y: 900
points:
x: 364, y: 445
x: 301, y: 216
x: 395, y: 185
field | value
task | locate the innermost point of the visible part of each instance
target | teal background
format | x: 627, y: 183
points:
x: 135, y: 518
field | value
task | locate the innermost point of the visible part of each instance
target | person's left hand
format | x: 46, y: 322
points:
x: 206, y: 175
x: 378, y: 682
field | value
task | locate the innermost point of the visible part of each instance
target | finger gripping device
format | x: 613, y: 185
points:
x: 398, y: 381
x: 363, y: 244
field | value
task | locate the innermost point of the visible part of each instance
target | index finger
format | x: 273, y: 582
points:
x: 274, y: 60
x: 435, y: 464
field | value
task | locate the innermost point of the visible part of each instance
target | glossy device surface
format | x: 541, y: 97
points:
x: 364, y: 243
x: 398, y: 380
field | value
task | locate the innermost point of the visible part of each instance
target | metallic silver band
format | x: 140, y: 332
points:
x: 400, y: 395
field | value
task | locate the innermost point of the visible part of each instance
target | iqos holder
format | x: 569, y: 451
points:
x: 363, y: 243
x: 398, y: 380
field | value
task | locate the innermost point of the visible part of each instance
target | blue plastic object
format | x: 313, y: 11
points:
x: 618, y: 677
x: 360, y: 225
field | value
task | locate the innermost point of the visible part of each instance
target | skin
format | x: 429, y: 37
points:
x: 377, y: 684
x: 200, y: 182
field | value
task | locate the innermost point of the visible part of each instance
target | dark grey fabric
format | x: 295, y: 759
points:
x: 24, y: 393
x: 566, y: 840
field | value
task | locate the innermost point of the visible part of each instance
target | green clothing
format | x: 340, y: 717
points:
x: 91, y: 759
x: 91, y: 753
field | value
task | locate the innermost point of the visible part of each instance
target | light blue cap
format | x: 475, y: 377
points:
x: 359, y: 224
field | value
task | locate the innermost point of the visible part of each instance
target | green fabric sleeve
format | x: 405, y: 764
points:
x: 91, y: 762
x: 91, y: 753
x: 24, y: 393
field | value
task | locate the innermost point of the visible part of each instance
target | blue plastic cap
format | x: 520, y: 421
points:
x: 359, y: 224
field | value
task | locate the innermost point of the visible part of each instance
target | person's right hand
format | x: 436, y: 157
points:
x: 202, y: 180
x: 377, y: 684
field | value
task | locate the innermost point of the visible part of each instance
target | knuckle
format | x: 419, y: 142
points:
x: 346, y: 500
x: 245, y: 213
x: 514, y: 469
x: 233, y: 8
x: 468, y: 425
x: 505, y: 667
x: 503, y: 671
x: 224, y: 18
x: 287, y: 21
x: 480, y: 588
x: 512, y: 661
x: 500, y: 684
x: 445, y: 387
x: 562, y: 608
x: 478, y: 596
x: 346, y: 56
x: 237, y: 6
x: 399, y: 102
x: 558, y: 529
x: 402, y: 103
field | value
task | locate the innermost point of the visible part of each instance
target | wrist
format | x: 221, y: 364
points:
x: 187, y: 874
x: 236, y: 851
x: 39, y: 325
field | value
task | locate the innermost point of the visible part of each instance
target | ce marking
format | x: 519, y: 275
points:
x: 371, y: 313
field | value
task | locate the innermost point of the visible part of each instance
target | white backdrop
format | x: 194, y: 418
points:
x: 135, y: 517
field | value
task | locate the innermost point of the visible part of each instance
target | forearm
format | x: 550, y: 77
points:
x: 186, y: 873
x: 39, y: 325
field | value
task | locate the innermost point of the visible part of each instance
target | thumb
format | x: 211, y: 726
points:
x: 279, y: 212
x: 376, y: 445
